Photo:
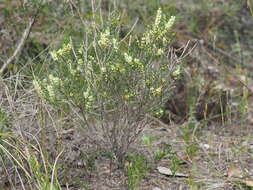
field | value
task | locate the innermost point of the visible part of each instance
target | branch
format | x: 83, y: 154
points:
x: 20, y: 44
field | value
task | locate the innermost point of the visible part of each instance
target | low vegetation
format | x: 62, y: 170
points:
x: 100, y: 94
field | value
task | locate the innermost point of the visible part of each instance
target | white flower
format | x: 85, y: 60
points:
x: 165, y: 41
x: 55, y: 81
x: 66, y: 49
x: 104, y: 39
x: 103, y: 69
x: 51, y: 92
x: 128, y: 58
x: 86, y: 93
x: 157, y: 91
x: 80, y: 62
x: 177, y: 72
x: 137, y: 61
x: 54, y: 55
x: 157, y: 34
x: 81, y: 49
x: 170, y: 23
x: 37, y: 87
x: 72, y: 71
x: 146, y: 39
x: 88, y: 98
x: 160, y: 52
x: 115, y: 44
x: 158, y: 17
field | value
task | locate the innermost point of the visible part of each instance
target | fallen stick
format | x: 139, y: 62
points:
x: 20, y: 44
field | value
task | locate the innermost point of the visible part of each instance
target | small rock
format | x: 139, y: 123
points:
x: 205, y: 146
x: 167, y: 171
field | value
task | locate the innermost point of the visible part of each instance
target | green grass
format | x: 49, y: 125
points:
x: 136, y: 170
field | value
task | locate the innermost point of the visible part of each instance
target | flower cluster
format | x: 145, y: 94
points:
x: 177, y: 72
x: 38, y: 88
x: 109, y: 72
x: 133, y: 62
x: 155, y: 40
x: 88, y: 98
x: 106, y: 40
x: 159, y: 112
x: 156, y: 91
x: 65, y: 50
x: 49, y: 87
x: 129, y: 95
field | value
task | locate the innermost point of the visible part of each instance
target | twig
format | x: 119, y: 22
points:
x: 157, y: 120
x: 217, y: 50
x: 230, y: 72
x: 20, y: 44
x: 225, y: 54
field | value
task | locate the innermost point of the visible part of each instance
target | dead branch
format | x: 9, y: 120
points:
x: 19, y: 45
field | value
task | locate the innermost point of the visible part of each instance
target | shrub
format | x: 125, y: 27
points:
x: 111, y: 83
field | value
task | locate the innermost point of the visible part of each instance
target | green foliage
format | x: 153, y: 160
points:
x: 188, y: 134
x: 34, y: 168
x: 40, y: 176
x: 136, y: 170
x: 109, y: 77
x: 110, y: 71
x: 158, y: 154
x: 148, y: 140
x: 3, y: 121
x: 167, y: 151
x: 175, y: 164
x: 4, y: 124
x: 114, y: 76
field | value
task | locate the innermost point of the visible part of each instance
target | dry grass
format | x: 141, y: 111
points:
x: 45, y: 148
x: 219, y: 148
